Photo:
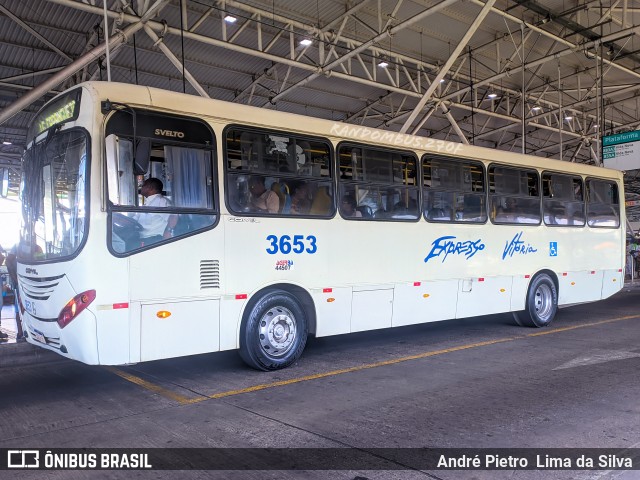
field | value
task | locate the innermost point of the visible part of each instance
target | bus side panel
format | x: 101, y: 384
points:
x: 421, y: 302
x: 169, y: 278
x: 371, y: 308
x: 612, y: 282
x: 484, y: 296
x: 580, y: 286
x: 520, y: 285
x: 134, y: 331
x: 230, y: 320
x: 179, y: 328
x: 333, y: 311
x: 113, y: 336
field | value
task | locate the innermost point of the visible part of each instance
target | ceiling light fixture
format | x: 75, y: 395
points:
x: 306, y: 42
x: 383, y: 64
x: 230, y: 19
x: 7, y: 142
x: 568, y: 117
x: 536, y: 108
x: 492, y: 95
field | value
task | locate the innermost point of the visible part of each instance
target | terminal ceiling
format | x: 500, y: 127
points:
x: 541, y: 76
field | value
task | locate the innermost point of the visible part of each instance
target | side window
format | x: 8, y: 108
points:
x: 514, y: 195
x: 158, y: 189
x: 603, y: 205
x: 278, y: 174
x: 454, y: 190
x: 377, y: 184
x: 562, y: 200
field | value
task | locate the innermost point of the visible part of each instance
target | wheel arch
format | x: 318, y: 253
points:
x: 551, y: 274
x: 302, y: 295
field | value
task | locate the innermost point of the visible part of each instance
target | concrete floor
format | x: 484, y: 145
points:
x: 474, y: 383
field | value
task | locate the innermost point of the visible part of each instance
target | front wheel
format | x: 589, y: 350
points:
x: 274, y: 331
x: 541, y: 305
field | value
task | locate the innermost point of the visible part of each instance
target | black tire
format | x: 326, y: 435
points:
x: 274, y: 331
x: 541, y: 305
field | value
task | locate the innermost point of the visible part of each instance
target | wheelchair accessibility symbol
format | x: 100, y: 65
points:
x: 553, y: 249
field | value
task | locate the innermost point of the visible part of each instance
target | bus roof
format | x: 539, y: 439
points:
x: 228, y: 112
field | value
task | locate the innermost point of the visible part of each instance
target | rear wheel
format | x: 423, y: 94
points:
x: 274, y: 331
x: 541, y: 304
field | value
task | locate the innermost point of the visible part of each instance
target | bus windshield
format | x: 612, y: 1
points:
x: 54, y: 196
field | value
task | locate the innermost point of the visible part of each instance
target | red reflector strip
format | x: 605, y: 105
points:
x: 564, y: 274
x: 481, y: 279
x: 619, y: 270
x: 120, y: 305
x: 527, y: 276
x: 327, y: 290
x: 417, y: 284
x: 593, y: 272
x: 241, y: 296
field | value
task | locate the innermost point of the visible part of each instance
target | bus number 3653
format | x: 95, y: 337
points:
x: 285, y: 244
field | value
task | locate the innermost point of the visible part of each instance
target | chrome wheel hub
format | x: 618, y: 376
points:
x: 543, y: 302
x: 277, y: 331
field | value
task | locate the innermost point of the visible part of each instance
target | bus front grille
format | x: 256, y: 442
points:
x: 209, y: 274
x: 39, y: 288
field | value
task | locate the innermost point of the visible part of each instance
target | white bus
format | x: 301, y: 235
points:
x: 276, y: 226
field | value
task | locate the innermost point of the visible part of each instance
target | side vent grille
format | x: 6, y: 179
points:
x: 209, y: 274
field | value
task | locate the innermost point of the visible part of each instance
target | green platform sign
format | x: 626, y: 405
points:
x: 622, y: 151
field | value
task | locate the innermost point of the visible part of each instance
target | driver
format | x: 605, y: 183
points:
x: 155, y: 226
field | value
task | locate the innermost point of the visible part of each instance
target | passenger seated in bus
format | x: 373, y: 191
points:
x: 405, y: 209
x: 300, y: 202
x: 555, y: 215
x: 155, y: 226
x: 262, y: 200
x: 281, y: 189
x: 365, y: 210
x: 508, y: 213
x: 406, y: 206
x: 472, y: 208
x: 442, y: 214
x: 510, y: 206
x: 348, y: 207
x: 322, y: 202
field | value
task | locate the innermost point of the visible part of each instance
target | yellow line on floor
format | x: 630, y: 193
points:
x: 149, y: 386
x: 185, y: 400
x: 584, y: 325
x: 355, y: 369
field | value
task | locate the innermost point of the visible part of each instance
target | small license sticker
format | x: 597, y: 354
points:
x: 284, y: 265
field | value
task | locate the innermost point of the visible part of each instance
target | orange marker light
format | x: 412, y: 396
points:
x: 425, y: 295
x: 331, y: 299
x: 163, y: 314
